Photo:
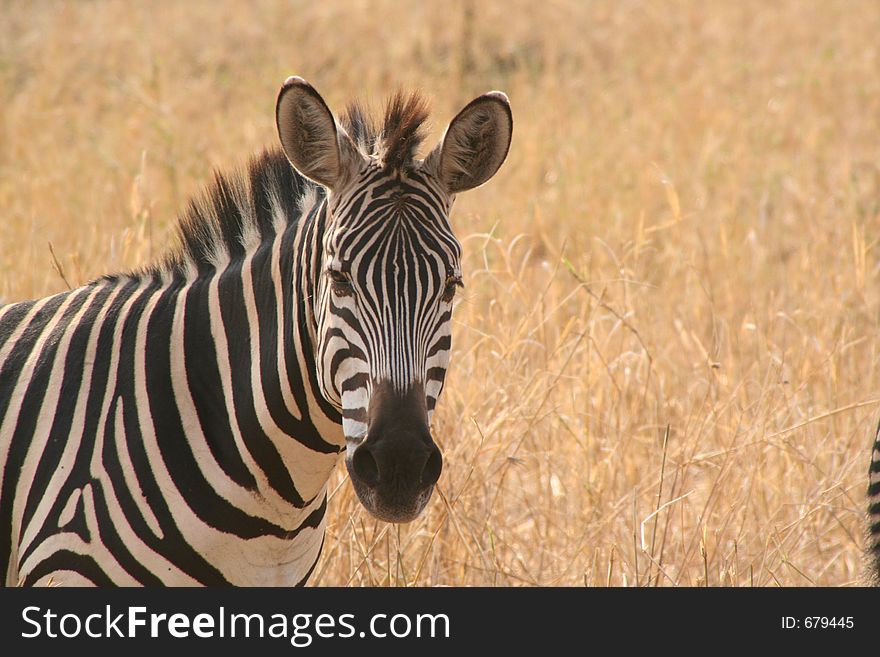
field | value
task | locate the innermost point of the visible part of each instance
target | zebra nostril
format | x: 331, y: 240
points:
x: 433, y: 467
x: 365, y: 466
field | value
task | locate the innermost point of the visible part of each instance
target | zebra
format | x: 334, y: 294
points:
x: 178, y: 424
x: 874, y: 512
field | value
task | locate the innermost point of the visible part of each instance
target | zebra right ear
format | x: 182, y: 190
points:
x: 311, y: 139
x: 475, y: 144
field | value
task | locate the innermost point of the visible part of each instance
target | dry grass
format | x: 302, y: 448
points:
x: 665, y: 366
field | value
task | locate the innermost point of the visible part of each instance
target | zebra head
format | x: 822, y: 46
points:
x: 387, y: 275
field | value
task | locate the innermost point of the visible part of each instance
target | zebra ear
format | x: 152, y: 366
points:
x: 475, y: 144
x: 315, y: 145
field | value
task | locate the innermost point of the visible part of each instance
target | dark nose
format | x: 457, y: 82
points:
x: 395, y: 467
x: 399, y: 459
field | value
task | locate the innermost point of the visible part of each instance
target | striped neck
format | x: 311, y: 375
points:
x: 244, y: 320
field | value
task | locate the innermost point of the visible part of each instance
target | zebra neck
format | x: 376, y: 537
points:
x: 307, y: 247
x: 247, y: 349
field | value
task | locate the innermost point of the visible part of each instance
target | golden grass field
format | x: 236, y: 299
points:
x: 666, y: 357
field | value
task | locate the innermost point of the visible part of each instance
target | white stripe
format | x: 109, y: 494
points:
x: 280, y: 304
x: 129, y: 476
x: 69, y: 510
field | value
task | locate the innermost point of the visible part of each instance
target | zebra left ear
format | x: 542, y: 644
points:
x: 475, y: 144
x: 313, y: 142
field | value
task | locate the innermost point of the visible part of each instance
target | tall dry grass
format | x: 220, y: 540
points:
x: 665, y: 366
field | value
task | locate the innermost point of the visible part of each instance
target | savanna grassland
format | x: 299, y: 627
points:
x: 665, y: 366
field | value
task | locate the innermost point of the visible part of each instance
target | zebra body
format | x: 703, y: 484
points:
x: 179, y: 424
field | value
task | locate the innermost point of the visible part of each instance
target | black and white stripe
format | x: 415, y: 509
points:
x: 179, y: 424
x: 874, y: 511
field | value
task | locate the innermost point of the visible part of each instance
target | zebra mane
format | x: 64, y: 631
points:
x: 235, y: 213
x: 238, y: 210
x: 400, y: 135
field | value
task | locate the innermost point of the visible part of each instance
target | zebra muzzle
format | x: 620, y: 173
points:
x: 395, y: 467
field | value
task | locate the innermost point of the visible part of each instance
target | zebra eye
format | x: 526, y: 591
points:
x: 449, y: 291
x: 340, y: 283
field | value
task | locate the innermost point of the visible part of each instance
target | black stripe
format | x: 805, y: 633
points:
x: 313, y: 521
x: 70, y: 561
x: 355, y: 382
x: 435, y: 374
x: 12, y: 318
x: 443, y: 343
x: 203, y: 379
x: 355, y: 414
x: 238, y: 335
